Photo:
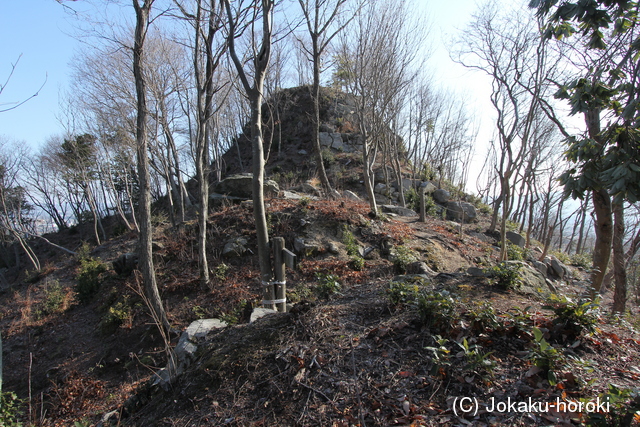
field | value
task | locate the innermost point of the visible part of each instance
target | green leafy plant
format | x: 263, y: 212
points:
x: 483, y: 317
x: 89, y: 278
x: 402, y: 293
x: 10, y: 409
x: 440, y: 360
x: 328, y: 284
x: 350, y: 242
x: 220, y: 271
x: 506, y: 275
x: 116, y: 315
x: 476, y: 361
x: 199, y: 312
x: 581, y: 260
x: 304, y: 201
x: 518, y: 320
x: 55, y: 299
x: 437, y: 310
x: 402, y: 256
x: 545, y: 356
x: 356, y: 263
x: 623, y: 408
x: 572, y: 317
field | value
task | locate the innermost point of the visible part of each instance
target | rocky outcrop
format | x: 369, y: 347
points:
x: 516, y: 239
x: 462, y: 212
x: 240, y: 185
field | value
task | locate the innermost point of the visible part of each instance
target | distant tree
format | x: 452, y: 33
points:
x: 377, y: 66
x: 78, y: 156
x: 15, y: 221
x: 606, y: 91
x: 324, y: 20
x: 507, y: 48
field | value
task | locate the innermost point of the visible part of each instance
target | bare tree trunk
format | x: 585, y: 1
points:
x: 619, y: 264
x: 604, y: 237
x: 145, y: 258
x: 254, y: 91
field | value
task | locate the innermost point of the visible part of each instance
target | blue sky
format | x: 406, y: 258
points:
x: 40, y: 34
x: 38, y: 30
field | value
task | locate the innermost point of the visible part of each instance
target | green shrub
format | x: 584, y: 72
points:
x: 506, y: 275
x: 328, y: 284
x: 483, y: 317
x: 581, y: 260
x: 55, y: 299
x: 116, y: 315
x: 10, y: 409
x: 437, y: 310
x: 515, y: 252
x: 89, y: 278
x: 350, y: 242
x: 412, y: 199
x: 562, y: 257
x: 544, y: 356
x: 623, y: 407
x: 402, y: 256
x: 402, y: 293
x: 220, y: 272
x: 356, y: 263
x: 574, y: 317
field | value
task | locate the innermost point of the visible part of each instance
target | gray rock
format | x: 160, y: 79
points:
x: 531, y: 280
x: 398, y: 210
x: 241, y: 186
x: 303, y: 152
x: 516, y: 239
x: 331, y: 140
x: 420, y: 267
x: 185, y: 350
x: 125, y: 264
x: 559, y: 269
x: 541, y: 267
x: 428, y: 187
x: 476, y: 272
x: 461, y: 212
x: 332, y: 248
x: 441, y: 196
x: 260, y: 312
x: 380, y: 188
x: 305, y: 247
x: 235, y: 247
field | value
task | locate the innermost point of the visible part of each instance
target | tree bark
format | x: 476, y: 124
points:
x: 604, y: 237
x: 619, y: 264
x: 145, y: 255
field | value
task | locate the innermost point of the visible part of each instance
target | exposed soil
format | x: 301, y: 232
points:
x: 355, y: 358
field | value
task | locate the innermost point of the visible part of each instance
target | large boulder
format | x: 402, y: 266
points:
x: 235, y: 247
x: 125, y: 264
x: 240, y: 185
x: 516, y: 239
x: 461, y: 212
x: 559, y: 269
x: 331, y: 140
x: 398, y: 210
x: 441, y: 196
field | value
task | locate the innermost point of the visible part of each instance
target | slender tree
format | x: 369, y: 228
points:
x: 145, y: 249
x: 253, y: 86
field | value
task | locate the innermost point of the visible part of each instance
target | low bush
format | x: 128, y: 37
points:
x: 89, y: 278
x: 328, y: 284
x: 506, y: 275
x: 437, y: 311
